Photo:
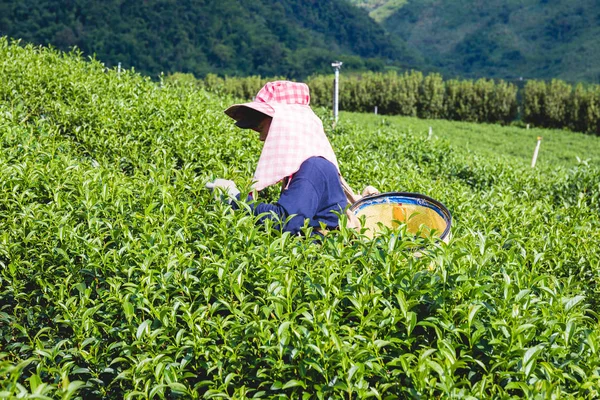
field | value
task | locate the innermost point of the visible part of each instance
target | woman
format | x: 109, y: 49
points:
x: 296, y: 152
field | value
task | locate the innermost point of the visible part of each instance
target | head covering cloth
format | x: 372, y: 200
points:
x: 295, y: 135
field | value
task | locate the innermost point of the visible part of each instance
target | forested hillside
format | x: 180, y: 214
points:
x: 498, y: 38
x: 531, y: 39
x: 292, y: 37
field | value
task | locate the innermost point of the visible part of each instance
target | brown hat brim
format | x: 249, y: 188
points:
x: 240, y: 112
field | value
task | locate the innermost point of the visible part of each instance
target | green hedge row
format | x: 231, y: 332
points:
x: 410, y: 94
x: 551, y: 105
x: 557, y: 104
x: 415, y: 95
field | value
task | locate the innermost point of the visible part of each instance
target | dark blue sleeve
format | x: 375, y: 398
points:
x: 300, y: 198
x: 260, y: 208
x: 313, y: 194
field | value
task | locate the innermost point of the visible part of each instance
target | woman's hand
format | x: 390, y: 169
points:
x: 225, y: 186
x: 369, y: 190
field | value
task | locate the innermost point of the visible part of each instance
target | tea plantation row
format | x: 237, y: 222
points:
x: 122, y: 277
x: 516, y: 144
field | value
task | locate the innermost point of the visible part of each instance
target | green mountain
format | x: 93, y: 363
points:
x: 508, y: 39
x: 498, y: 38
x: 292, y: 37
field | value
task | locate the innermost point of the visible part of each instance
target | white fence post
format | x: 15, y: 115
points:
x: 536, y: 151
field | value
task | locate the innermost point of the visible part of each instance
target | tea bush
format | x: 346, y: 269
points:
x: 121, y: 277
x: 515, y: 143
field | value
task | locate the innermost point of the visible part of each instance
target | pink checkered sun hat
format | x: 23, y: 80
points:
x: 295, y: 135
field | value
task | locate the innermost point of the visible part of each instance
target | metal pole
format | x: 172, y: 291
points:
x: 336, y: 88
x: 335, y: 95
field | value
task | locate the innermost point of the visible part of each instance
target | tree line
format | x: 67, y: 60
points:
x: 557, y: 104
x: 554, y: 104
x: 233, y: 37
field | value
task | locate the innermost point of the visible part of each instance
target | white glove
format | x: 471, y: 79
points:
x: 226, y: 186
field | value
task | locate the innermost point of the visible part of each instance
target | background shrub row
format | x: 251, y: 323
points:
x: 410, y: 93
x: 557, y: 104
x: 554, y: 104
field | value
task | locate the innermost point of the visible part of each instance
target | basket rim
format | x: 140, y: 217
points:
x: 439, y: 205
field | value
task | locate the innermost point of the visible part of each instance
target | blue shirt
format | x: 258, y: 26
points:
x: 313, y: 193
